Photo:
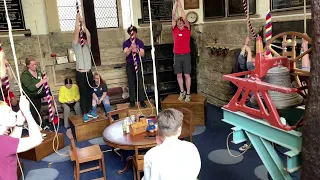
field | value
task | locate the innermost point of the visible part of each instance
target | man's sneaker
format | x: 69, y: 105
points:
x: 244, y: 147
x: 182, y: 94
x: 187, y: 98
x: 132, y: 104
x: 85, y: 118
x: 92, y: 115
x: 143, y: 104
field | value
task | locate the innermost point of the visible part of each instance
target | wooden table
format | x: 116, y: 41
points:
x: 44, y: 149
x: 198, y: 106
x: 87, y: 130
x: 113, y: 135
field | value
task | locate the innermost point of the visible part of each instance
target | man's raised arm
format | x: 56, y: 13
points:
x: 174, y: 9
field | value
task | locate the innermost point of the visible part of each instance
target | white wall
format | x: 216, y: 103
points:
x: 35, y: 11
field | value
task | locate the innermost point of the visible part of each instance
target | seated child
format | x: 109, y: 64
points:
x: 99, y: 96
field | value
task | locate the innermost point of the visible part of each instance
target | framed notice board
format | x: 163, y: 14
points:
x: 160, y: 10
x: 235, y: 7
x: 278, y: 5
x: 15, y: 15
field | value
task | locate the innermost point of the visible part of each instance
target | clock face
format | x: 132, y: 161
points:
x: 192, y: 17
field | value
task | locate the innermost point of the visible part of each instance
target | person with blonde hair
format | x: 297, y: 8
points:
x: 99, y: 96
x: 12, y: 142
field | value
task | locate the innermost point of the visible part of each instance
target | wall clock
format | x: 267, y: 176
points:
x: 192, y: 17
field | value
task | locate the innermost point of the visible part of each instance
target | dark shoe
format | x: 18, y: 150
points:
x: 143, y: 104
x: 132, y: 104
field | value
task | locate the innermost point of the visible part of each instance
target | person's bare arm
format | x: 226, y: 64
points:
x: 17, y: 131
x: 42, y: 81
x: 35, y: 137
x: 76, y: 29
x: 95, y: 97
x: 127, y: 51
x: 174, y: 20
x: 305, y: 58
x: 141, y: 52
x: 87, y: 33
x: 183, y: 15
x: 246, y: 43
x: 104, y: 94
x: 249, y: 56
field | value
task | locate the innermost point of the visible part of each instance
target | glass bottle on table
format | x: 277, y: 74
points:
x: 124, y: 126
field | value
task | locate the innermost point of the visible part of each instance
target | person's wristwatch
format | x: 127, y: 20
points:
x: 19, y: 125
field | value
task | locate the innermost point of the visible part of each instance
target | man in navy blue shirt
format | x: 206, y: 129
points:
x: 134, y: 47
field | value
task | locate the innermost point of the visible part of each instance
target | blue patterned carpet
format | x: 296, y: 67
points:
x: 207, y: 139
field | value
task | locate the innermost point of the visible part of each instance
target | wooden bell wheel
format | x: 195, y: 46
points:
x: 288, y: 42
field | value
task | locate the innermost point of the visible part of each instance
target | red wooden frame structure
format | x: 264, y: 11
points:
x: 259, y: 88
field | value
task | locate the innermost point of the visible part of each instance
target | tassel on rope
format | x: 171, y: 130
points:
x: 245, y: 7
x: 268, y: 30
x: 81, y: 30
x: 46, y: 87
x: 133, y: 53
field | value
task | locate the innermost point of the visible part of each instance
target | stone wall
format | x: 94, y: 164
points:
x: 210, y: 68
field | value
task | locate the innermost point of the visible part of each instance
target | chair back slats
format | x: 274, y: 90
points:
x: 187, y: 124
x: 140, y: 151
x: 73, y: 149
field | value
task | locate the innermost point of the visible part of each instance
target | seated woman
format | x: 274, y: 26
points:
x: 99, y: 96
x: 69, y: 97
x: 12, y: 143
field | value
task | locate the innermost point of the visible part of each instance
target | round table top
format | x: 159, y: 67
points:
x: 114, y: 136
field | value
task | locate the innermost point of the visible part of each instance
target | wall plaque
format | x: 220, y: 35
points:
x: 160, y: 10
x: 15, y: 15
x: 191, y: 4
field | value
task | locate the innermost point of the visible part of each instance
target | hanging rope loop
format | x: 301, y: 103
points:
x: 81, y: 29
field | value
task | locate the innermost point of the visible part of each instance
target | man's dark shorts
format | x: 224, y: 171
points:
x: 182, y: 63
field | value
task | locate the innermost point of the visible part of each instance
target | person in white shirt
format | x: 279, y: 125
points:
x: 172, y: 158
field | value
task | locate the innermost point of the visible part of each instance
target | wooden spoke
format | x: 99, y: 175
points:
x: 289, y: 40
x: 274, y: 52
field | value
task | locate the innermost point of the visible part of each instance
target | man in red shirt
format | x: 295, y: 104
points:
x: 182, y: 60
x: 10, y: 100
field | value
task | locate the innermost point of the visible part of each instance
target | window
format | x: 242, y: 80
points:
x: 226, y: 8
x: 67, y: 14
x: 281, y: 5
x: 106, y: 13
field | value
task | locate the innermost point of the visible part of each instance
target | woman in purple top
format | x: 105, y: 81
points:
x: 130, y: 47
x: 11, y: 141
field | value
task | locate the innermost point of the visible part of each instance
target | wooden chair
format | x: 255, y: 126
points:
x: 87, y: 154
x: 122, y: 113
x: 138, y: 159
x: 187, y: 125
